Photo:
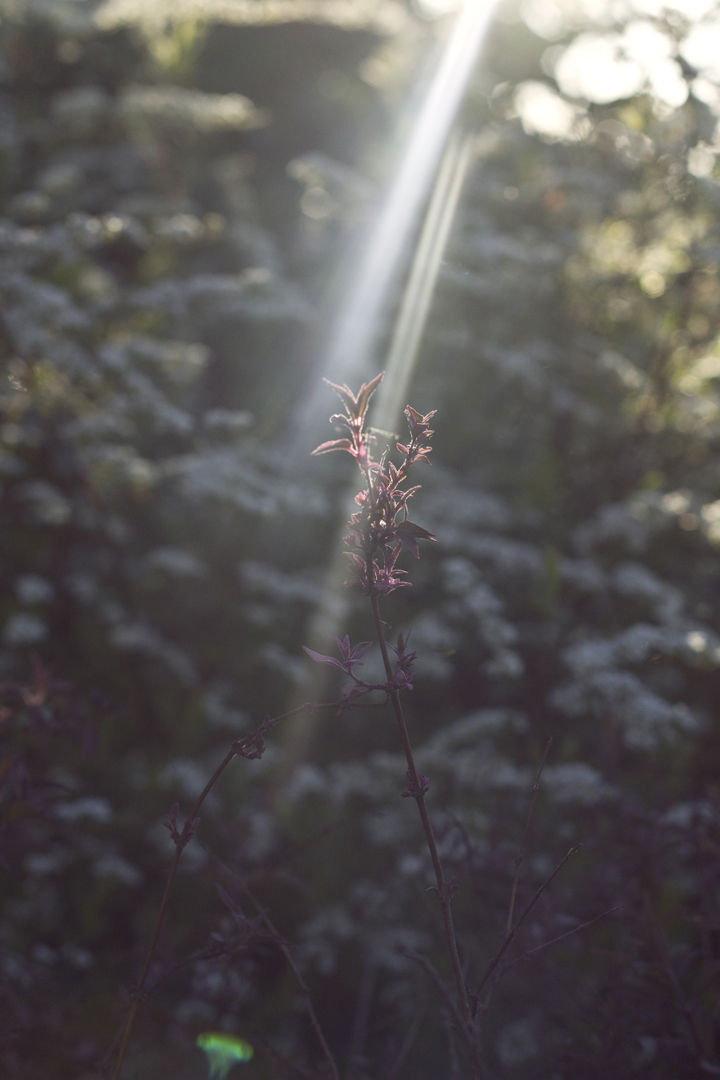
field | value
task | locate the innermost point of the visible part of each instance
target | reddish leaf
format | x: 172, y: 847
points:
x: 334, y: 444
x: 320, y: 659
x: 366, y: 391
x: 344, y: 393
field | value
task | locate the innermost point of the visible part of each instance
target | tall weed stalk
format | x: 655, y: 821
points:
x: 378, y: 533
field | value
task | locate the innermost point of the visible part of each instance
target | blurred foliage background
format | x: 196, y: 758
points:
x: 182, y: 184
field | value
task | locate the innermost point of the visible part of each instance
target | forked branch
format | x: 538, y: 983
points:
x: 249, y: 745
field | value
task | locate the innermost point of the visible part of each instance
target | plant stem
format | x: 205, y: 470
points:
x: 137, y: 996
x: 442, y: 886
x: 238, y: 749
x: 509, y: 938
x: 298, y: 979
x: 556, y: 941
x: 520, y: 858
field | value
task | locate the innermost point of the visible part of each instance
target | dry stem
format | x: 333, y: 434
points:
x: 137, y: 996
x: 443, y: 887
x: 298, y: 978
x: 238, y: 749
x: 520, y: 858
x: 509, y: 938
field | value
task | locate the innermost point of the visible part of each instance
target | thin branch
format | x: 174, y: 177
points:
x: 659, y: 940
x: 443, y: 887
x: 279, y: 1059
x: 514, y: 931
x: 284, y: 948
x: 361, y: 1018
x: 452, y: 1048
x: 468, y: 1030
x: 434, y: 977
x: 407, y: 1044
x: 520, y: 858
x: 138, y: 994
x: 249, y: 745
x: 556, y: 941
x: 459, y: 825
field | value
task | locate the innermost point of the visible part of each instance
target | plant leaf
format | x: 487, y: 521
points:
x: 416, y: 530
x: 366, y: 391
x: 345, y: 394
x: 407, y: 539
x: 334, y: 444
x: 320, y: 659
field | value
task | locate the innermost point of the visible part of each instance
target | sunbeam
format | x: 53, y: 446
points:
x: 332, y: 610
x: 349, y: 354
x: 415, y: 305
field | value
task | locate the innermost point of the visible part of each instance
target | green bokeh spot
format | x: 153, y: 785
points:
x: 223, y: 1051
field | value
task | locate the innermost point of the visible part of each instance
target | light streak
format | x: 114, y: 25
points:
x: 349, y: 356
x: 333, y: 609
x: 415, y: 306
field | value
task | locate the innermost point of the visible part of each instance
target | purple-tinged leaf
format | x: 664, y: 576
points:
x: 345, y: 394
x: 320, y: 659
x: 355, y: 654
x: 415, y: 419
x: 387, y: 580
x: 366, y: 391
x: 361, y: 648
x: 333, y: 444
x: 401, y: 680
x: 351, y: 692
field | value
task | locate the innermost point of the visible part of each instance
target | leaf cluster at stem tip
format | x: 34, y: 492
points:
x: 381, y: 528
